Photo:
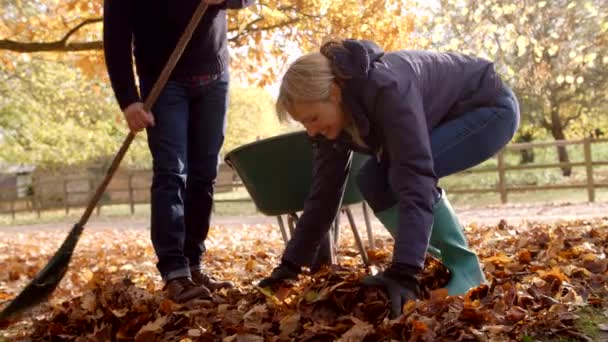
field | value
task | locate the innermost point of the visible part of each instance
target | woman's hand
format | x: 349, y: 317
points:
x: 280, y: 275
x: 400, y: 284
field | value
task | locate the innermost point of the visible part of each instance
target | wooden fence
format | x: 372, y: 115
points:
x: 503, y: 188
x: 132, y: 187
x: 67, y: 191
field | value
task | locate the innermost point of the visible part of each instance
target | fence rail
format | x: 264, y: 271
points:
x: 132, y: 187
x: 503, y: 189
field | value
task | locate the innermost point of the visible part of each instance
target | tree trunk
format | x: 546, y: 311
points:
x: 527, y: 155
x: 557, y: 130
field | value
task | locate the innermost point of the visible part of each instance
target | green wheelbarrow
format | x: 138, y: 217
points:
x: 277, y: 173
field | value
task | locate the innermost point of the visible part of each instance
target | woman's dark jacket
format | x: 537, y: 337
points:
x: 395, y: 99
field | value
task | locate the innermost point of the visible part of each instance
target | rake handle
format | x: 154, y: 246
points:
x: 149, y: 102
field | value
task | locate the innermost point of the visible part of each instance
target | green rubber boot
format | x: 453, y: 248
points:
x: 448, y: 236
x: 448, y: 243
x: 389, y: 219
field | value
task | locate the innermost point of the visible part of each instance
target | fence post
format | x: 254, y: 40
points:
x: 36, y: 195
x: 589, y: 169
x: 131, y: 200
x: 13, y: 208
x: 92, y: 183
x: 501, y: 177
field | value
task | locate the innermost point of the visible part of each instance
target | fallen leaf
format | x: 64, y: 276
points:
x: 289, y: 324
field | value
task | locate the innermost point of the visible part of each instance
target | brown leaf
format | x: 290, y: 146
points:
x: 475, y: 316
x: 530, y: 292
x: 119, y: 313
x: 194, y: 332
x: 594, y: 264
x: 498, y: 259
x: 524, y: 256
x: 89, y: 302
x: 516, y: 313
x: 555, y: 275
x: 289, y: 324
x: 419, y: 327
x: 243, y: 338
x: 357, y: 332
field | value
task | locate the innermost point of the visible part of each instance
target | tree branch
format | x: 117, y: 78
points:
x: 573, y: 117
x: 29, y: 47
x: 63, y: 45
x: 250, y: 29
x: 58, y: 45
x: 79, y: 26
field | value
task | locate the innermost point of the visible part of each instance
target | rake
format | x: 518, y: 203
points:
x: 45, y: 282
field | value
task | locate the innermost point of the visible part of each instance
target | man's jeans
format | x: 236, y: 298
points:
x: 456, y: 145
x: 190, y: 124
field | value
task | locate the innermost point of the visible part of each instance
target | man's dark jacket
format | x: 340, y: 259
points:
x: 150, y: 29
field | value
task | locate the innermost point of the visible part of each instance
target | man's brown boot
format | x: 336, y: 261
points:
x: 201, y: 278
x: 181, y: 290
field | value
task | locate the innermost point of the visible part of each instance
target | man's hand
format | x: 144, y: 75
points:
x: 400, y: 284
x: 214, y: 2
x: 280, y: 275
x: 137, y: 118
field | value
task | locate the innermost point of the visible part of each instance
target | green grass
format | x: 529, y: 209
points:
x: 588, y: 321
x: 587, y: 324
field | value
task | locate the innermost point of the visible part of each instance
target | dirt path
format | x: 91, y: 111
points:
x: 512, y: 213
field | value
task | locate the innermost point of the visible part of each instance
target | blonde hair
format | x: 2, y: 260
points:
x: 309, y: 79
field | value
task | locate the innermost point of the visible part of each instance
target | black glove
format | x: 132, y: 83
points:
x: 400, y: 284
x: 281, y: 274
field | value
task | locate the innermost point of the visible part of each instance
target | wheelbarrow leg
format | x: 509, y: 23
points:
x: 333, y: 247
x: 351, y: 220
x: 336, y: 230
x: 368, y: 225
x: 283, y: 230
x: 292, y: 220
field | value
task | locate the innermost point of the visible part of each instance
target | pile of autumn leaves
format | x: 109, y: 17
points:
x: 540, y: 278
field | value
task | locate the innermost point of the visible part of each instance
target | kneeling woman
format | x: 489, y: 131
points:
x: 422, y: 116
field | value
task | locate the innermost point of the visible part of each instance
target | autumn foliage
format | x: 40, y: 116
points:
x: 541, y: 278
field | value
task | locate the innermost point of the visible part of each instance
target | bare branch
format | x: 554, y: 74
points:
x: 79, y: 26
x: 63, y: 45
x: 29, y: 47
x: 58, y: 45
x: 573, y: 117
x: 249, y: 29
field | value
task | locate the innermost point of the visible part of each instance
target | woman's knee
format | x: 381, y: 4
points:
x: 372, y: 181
x: 509, y: 106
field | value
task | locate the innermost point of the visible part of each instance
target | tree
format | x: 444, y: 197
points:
x: 553, y: 53
x: 261, y: 36
x: 52, y: 114
x: 251, y: 116
x: 42, y: 125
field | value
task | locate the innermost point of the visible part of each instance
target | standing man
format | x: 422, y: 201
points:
x: 185, y: 128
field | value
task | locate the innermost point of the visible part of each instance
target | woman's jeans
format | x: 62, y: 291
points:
x: 190, y: 124
x: 456, y: 145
